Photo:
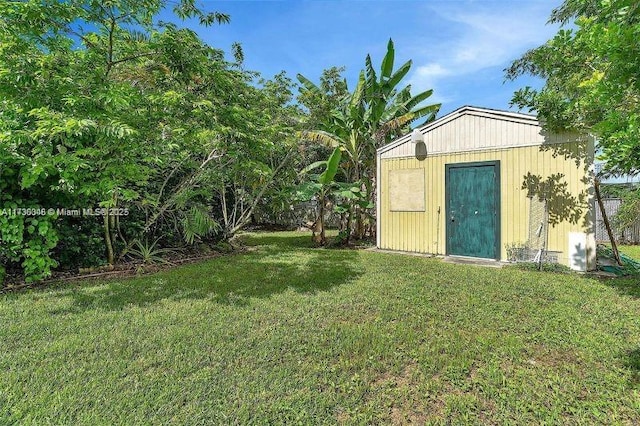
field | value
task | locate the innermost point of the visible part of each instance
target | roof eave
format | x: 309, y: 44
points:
x: 463, y: 110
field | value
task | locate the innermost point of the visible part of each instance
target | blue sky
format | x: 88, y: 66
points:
x: 458, y: 47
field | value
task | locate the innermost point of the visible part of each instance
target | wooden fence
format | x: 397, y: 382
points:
x: 630, y: 235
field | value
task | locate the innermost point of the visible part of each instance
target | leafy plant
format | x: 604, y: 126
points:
x: 149, y: 254
x: 590, y: 67
x: 320, y: 188
x: 198, y: 223
x: 376, y: 111
x: 107, y: 108
x: 81, y: 243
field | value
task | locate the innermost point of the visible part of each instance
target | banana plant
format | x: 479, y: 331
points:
x: 376, y: 111
x: 320, y: 187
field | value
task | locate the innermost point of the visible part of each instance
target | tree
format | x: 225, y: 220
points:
x: 320, y: 187
x: 78, y: 124
x: 591, y: 78
x: 374, y: 113
x: 105, y: 107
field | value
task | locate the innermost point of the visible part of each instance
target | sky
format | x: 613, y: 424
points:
x: 459, y: 48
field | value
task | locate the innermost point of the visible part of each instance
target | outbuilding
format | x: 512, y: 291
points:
x: 489, y: 184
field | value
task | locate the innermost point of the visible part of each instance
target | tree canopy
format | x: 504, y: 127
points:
x: 591, y: 78
x: 104, y: 108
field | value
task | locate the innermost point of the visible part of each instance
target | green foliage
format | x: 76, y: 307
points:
x: 81, y: 243
x: 544, y: 267
x: 340, y: 240
x: 104, y: 106
x: 149, y: 253
x: 321, y: 188
x: 628, y: 214
x: 29, y: 241
x: 361, y: 121
x: 223, y: 247
x: 329, y: 174
x: 591, y: 78
x: 198, y: 223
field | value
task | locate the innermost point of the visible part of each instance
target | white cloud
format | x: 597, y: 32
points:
x: 487, y: 34
x: 427, y: 76
x: 430, y: 72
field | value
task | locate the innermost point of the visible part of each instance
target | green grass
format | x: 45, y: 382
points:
x: 631, y: 251
x: 291, y: 334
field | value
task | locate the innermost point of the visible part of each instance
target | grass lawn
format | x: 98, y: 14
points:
x: 631, y: 251
x: 290, y: 334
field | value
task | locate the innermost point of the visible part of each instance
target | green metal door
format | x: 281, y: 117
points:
x: 473, y: 209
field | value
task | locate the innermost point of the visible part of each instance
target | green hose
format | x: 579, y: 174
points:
x: 630, y: 266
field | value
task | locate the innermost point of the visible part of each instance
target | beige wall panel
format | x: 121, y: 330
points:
x: 406, y: 189
x: 476, y: 131
x: 425, y: 231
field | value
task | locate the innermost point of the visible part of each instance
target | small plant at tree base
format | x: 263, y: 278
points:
x: 149, y: 254
x: 224, y: 247
x: 340, y: 240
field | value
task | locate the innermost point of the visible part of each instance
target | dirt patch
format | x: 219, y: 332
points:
x: 343, y: 417
x: 407, y: 405
x: 544, y: 356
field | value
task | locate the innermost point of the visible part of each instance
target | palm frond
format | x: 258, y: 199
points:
x: 417, y: 99
x: 198, y: 223
x: 308, y: 85
x: 322, y: 137
x: 398, y: 75
x: 427, y: 110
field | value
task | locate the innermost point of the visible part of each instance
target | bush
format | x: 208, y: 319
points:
x: 81, y: 242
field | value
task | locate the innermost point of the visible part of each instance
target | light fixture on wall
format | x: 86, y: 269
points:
x: 417, y: 140
x: 417, y: 137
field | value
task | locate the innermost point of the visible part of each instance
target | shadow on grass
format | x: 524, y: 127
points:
x: 278, y: 240
x: 633, y: 364
x: 627, y: 286
x: 279, y: 262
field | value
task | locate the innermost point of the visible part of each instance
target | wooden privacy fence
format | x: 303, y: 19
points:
x: 630, y: 235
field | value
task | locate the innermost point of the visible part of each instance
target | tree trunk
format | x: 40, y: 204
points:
x: 107, y: 239
x: 323, y: 238
x: 348, y: 226
x: 607, y: 225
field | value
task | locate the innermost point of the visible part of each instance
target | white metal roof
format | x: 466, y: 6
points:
x: 482, y: 117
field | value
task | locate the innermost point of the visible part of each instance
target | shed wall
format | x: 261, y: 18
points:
x: 473, y: 132
x: 425, y: 232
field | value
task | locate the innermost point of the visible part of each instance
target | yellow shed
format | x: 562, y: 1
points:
x: 483, y: 183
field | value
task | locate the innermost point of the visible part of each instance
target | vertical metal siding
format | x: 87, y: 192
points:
x: 425, y: 231
x: 472, y: 132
